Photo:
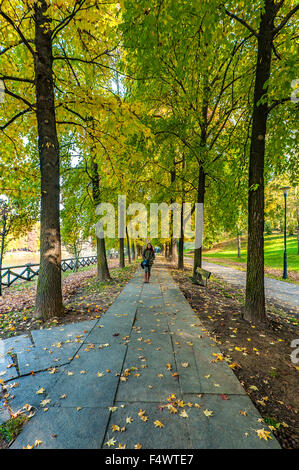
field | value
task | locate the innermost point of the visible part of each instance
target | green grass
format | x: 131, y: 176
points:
x: 12, y: 428
x: 274, y: 249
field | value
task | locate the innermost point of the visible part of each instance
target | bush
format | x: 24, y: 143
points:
x: 268, y: 227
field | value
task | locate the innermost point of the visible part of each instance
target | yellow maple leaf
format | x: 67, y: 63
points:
x: 263, y: 434
x: 158, y: 424
x: 171, y: 397
x: 115, y: 427
x: 111, y: 442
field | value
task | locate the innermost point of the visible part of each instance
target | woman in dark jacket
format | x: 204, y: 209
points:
x: 149, y: 255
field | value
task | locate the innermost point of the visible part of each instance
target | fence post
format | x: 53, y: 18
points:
x: 28, y: 271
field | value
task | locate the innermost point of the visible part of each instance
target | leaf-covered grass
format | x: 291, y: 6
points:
x: 259, y: 355
x: 84, y: 297
x: 12, y: 428
x: 274, y: 249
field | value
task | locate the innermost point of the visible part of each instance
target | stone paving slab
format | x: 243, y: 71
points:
x: 122, y: 306
x: 42, y: 358
x: 148, y: 334
x: 15, y: 344
x: 48, y: 336
x: 151, y: 356
x: 4, y: 414
x: 113, y: 333
x: 73, y: 429
x: 148, y: 319
x: 174, y: 435
x: 84, y: 387
x: 226, y: 428
x: 7, y: 369
x: 25, y: 392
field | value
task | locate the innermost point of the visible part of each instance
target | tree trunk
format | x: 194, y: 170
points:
x: 172, y: 245
x: 49, y: 292
x: 133, y: 251
x: 103, y: 273
x: 174, y: 250
x: 166, y: 251
x: 255, y: 292
x: 3, y: 233
x: 121, y: 253
x: 297, y: 210
x: 200, y: 199
x: 181, y: 242
x: 203, y: 148
x: 128, y: 246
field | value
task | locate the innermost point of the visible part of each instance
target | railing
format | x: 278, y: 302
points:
x: 26, y: 272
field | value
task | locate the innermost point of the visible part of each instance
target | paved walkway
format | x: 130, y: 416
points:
x: 141, y: 375
x: 284, y: 293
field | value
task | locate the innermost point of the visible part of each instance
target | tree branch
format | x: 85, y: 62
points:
x: 15, y: 27
x: 67, y: 20
x: 277, y: 103
x: 10, y: 93
x: 285, y: 20
x: 21, y: 113
x: 243, y: 22
x: 17, y: 79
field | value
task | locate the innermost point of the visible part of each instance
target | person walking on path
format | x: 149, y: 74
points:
x: 148, y: 255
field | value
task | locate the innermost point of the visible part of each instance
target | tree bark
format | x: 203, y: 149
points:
x: 103, y: 273
x: 128, y: 246
x: 121, y: 253
x: 255, y: 291
x: 133, y: 251
x: 200, y: 199
x: 174, y: 250
x: 49, y: 292
x: 3, y: 234
x: 181, y: 241
x: 166, y: 251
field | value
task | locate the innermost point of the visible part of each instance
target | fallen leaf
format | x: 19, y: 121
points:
x: 158, y: 424
x: 263, y: 434
x: 111, y: 442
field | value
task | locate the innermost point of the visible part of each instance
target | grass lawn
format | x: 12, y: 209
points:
x: 274, y: 248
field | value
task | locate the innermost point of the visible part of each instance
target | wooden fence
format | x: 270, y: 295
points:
x: 27, y: 272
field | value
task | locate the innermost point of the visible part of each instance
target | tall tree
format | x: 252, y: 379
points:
x: 265, y: 34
